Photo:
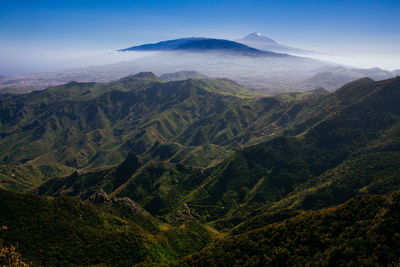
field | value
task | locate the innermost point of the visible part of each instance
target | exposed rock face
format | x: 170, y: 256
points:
x: 101, y: 197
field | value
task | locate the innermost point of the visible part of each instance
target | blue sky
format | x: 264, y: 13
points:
x: 364, y: 25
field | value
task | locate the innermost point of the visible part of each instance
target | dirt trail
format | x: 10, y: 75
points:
x: 188, y: 210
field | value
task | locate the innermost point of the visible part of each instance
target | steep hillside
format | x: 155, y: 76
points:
x: 66, y: 231
x: 265, y: 175
x: 90, y: 125
x: 158, y: 187
x: 363, y: 231
x: 322, y: 163
x: 310, y: 167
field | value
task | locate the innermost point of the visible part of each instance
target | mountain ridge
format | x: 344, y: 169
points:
x: 270, y: 171
x: 201, y: 44
x: 198, y: 172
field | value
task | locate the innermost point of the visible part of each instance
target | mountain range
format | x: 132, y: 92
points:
x: 230, y: 153
x: 190, y: 172
x: 296, y: 163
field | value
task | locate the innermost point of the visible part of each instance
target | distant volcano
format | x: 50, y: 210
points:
x: 261, y: 42
x: 199, y: 44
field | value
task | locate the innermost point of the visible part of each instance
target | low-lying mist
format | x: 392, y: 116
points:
x: 27, y: 62
x: 269, y: 74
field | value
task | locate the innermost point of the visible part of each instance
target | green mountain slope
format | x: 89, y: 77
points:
x: 81, y: 125
x: 363, y: 231
x: 65, y: 231
x: 308, y: 170
x: 158, y: 186
x: 91, y: 125
x: 270, y: 173
x: 321, y: 166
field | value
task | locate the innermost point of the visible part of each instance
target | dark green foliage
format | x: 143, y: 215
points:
x: 364, y: 231
x: 65, y: 231
x: 286, y: 170
x: 207, y: 154
x: 158, y: 187
x: 323, y: 166
x: 264, y: 219
x: 89, y: 125
x: 376, y: 173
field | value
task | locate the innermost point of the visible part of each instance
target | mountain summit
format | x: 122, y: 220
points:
x: 261, y: 42
x: 258, y: 37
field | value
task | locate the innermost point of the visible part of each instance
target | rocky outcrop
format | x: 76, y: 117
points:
x: 101, y: 197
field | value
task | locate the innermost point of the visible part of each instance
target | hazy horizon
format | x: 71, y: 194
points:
x: 50, y: 36
x: 15, y: 62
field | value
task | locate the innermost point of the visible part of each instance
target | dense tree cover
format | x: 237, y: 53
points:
x: 158, y: 186
x: 90, y: 125
x: 65, y: 231
x: 364, y: 231
x: 211, y: 161
x: 107, y: 120
x: 353, y: 150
